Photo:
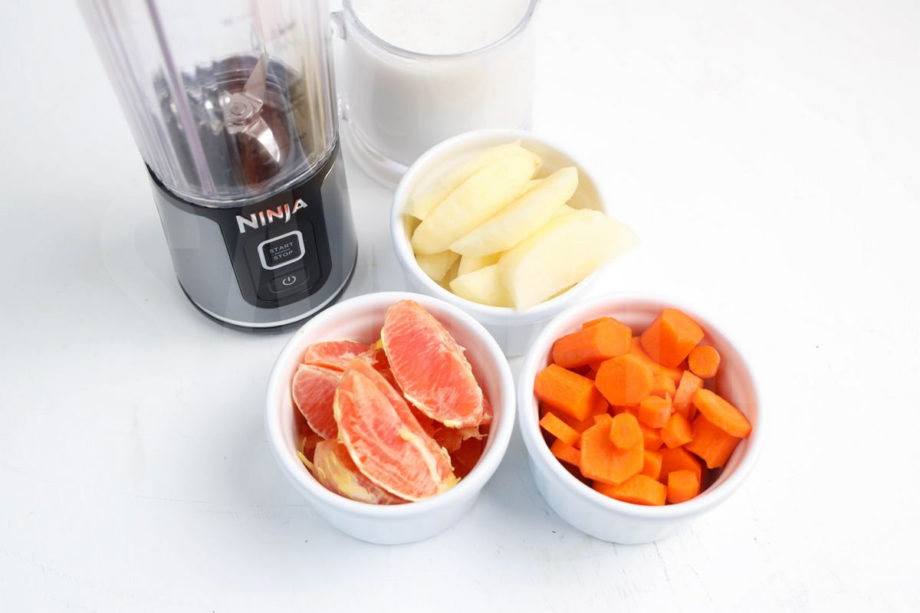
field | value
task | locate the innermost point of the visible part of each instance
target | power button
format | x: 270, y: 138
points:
x: 288, y: 282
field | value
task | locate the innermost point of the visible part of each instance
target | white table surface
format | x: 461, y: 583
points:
x: 767, y: 153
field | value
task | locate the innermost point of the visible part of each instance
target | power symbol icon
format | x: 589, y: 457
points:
x: 289, y: 280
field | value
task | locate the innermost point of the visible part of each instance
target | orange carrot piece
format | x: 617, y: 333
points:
x: 566, y: 453
x: 634, y: 411
x: 679, y: 459
x: 711, y: 443
x: 651, y: 438
x: 671, y: 337
x: 598, y: 320
x: 704, y: 361
x: 682, y: 485
x: 604, y: 340
x: 603, y: 418
x: 677, y: 431
x: 625, y: 432
x: 558, y: 428
x: 651, y: 464
x: 638, y: 489
x: 654, y: 411
x: 566, y: 391
x: 721, y: 413
x: 624, y: 380
x: 637, y: 350
x: 663, y: 385
x: 602, y: 461
x: 689, y: 384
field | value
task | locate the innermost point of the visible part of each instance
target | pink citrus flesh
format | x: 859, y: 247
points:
x: 336, y: 355
x: 313, y: 392
x: 430, y: 367
x: 335, y: 470
x: 384, y: 439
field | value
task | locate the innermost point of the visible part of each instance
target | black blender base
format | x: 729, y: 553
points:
x: 279, y: 328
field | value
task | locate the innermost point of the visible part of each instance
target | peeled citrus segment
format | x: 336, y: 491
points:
x: 384, y: 439
x: 466, y: 457
x: 430, y: 366
x: 313, y: 390
x: 337, y: 472
x: 333, y: 354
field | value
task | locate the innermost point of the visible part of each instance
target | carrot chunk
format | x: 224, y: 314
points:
x: 606, y: 339
x: 663, y: 385
x: 704, y: 361
x: 654, y: 411
x: 624, y: 380
x: 689, y: 384
x: 566, y: 391
x: 602, y: 461
x: 677, y: 431
x: 625, y: 432
x: 671, y: 337
x: 566, y: 453
x: 558, y: 428
x: 679, y: 459
x: 598, y: 320
x: 637, y: 350
x: 721, y: 413
x: 651, y: 464
x: 711, y: 443
x: 682, y: 485
x: 651, y: 438
x: 638, y: 489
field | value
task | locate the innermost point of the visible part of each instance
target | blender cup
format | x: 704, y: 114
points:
x: 232, y: 107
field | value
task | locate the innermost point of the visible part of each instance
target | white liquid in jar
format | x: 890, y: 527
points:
x: 397, y: 107
x: 440, y: 27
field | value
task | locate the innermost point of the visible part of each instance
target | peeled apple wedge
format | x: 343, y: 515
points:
x: 469, y: 263
x: 522, y: 217
x: 436, y: 265
x: 474, y: 201
x: 421, y: 204
x: 566, y: 250
x: 483, y: 286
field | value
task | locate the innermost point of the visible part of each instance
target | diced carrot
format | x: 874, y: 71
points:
x: 624, y: 380
x: 663, y: 385
x: 677, y: 431
x: 651, y: 464
x: 606, y: 339
x: 679, y: 459
x: 654, y: 411
x: 634, y: 411
x: 704, y: 361
x: 682, y: 485
x: 566, y: 391
x: 651, y: 438
x: 638, y: 489
x: 637, y: 350
x: 598, y: 320
x: 602, y: 461
x: 689, y: 384
x: 721, y: 413
x: 566, y: 453
x: 671, y: 337
x: 625, y: 431
x: 603, y: 418
x: 558, y: 428
x: 711, y: 443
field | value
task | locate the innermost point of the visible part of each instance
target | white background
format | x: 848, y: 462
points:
x: 767, y: 153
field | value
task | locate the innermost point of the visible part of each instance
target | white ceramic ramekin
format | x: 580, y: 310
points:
x: 360, y: 318
x: 514, y: 330
x: 598, y: 515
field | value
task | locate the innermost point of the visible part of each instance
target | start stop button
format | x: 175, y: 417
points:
x: 281, y: 250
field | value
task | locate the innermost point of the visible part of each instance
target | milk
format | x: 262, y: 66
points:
x: 441, y: 77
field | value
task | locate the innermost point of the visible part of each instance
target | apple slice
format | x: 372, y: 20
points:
x: 522, y: 217
x: 423, y: 202
x: 566, y: 250
x: 436, y: 265
x: 469, y: 263
x: 475, y: 200
x: 483, y: 286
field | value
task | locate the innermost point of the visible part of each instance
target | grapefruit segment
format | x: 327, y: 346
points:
x: 336, y: 355
x: 335, y: 470
x: 313, y: 390
x: 430, y: 367
x: 466, y: 457
x: 384, y: 439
